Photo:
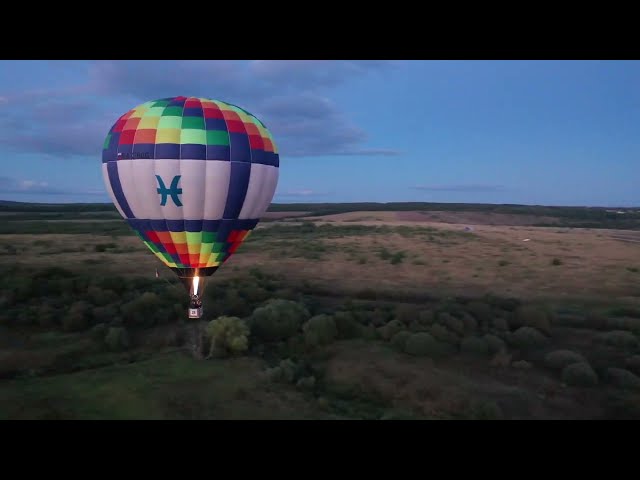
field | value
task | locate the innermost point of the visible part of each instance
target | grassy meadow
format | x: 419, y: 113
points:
x: 327, y: 311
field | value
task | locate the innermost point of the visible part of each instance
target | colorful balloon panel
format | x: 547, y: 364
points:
x: 192, y: 177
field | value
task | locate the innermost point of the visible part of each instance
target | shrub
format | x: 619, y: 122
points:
x: 76, y: 318
x: 28, y: 315
x: 619, y: 339
x: 623, y: 378
x: 254, y: 293
x: 23, y: 288
x: 495, y: 344
x: 522, y: 365
x: 470, y: 323
x: 307, y: 227
x: 368, y: 332
x: 99, y: 296
x: 278, y: 320
x: 227, y: 336
x: 142, y: 310
x: 175, y: 338
x: 46, y: 315
x: 399, y: 340
x: 442, y: 334
x: 633, y: 363
x: 390, y: 329
x: 406, y: 313
x: 480, y: 311
x: 556, y: 261
x: 595, y: 320
x: 532, y: 316
x: 177, y: 310
x: 624, y: 323
x: 474, y: 345
x: 320, y: 330
x: 397, y: 258
x: 306, y: 383
x: 287, y: 371
x: 423, y: 344
x: 426, y: 317
x: 499, y: 324
x: 377, y: 318
x: 396, y: 414
x: 508, y: 304
x: 105, y: 314
x: 527, y: 337
x: 561, y: 358
x: 452, y: 307
x: 111, y: 283
x: 117, y: 338
x: 483, y: 410
x: 625, y: 311
x: 454, y: 324
x: 501, y: 359
x: 580, y: 375
x: 99, y: 332
x: 346, y: 325
x: 623, y: 406
x: 415, y: 327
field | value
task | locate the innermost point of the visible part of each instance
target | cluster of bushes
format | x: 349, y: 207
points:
x: 575, y: 370
x: 294, y: 373
x: 478, y: 328
x: 258, y: 313
x: 622, y: 318
x: 474, y: 327
x: 56, y: 297
x: 393, y: 258
x: 114, y: 338
x: 226, y: 336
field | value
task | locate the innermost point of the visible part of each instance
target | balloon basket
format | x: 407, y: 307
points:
x: 195, y: 313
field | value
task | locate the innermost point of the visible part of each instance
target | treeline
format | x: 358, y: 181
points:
x: 7, y: 206
x: 577, y: 213
x: 576, y: 217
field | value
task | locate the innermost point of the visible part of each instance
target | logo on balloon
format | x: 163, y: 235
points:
x: 173, y: 191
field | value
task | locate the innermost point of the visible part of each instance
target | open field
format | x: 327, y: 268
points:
x: 406, y: 313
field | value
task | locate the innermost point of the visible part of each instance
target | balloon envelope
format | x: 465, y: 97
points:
x: 192, y: 177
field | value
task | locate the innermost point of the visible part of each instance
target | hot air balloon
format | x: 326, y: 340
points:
x: 192, y: 177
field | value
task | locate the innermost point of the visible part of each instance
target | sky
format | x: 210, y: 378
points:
x: 526, y: 132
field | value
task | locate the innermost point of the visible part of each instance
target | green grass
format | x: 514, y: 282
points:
x: 34, y: 227
x: 169, y: 386
x: 26, y: 216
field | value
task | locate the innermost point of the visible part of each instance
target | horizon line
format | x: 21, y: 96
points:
x: 366, y: 202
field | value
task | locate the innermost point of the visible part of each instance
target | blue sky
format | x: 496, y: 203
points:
x: 530, y: 132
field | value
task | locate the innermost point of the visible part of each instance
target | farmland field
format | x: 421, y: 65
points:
x: 331, y: 311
